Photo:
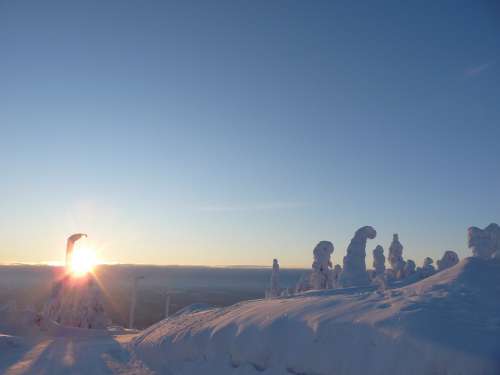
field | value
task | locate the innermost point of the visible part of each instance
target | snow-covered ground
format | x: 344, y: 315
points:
x: 448, y: 323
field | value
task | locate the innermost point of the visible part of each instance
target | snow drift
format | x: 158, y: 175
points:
x: 448, y: 323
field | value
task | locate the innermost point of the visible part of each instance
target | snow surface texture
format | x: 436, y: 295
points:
x: 445, y: 324
x: 77, y: 302
x: 354, y: 269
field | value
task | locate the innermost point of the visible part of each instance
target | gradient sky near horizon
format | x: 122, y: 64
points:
x: 232, y: 132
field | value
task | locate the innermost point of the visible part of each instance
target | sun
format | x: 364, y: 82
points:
x: 83, y: 261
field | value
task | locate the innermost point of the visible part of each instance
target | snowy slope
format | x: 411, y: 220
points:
x: 446, y: 324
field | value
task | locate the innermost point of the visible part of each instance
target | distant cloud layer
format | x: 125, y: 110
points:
x: 477, y: 70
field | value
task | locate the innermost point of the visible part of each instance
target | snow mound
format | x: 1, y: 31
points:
x: 448, y: 324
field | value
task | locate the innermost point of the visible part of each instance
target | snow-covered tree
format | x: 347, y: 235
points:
x: 77, y: 302
x: 410, y: 268
x: 427, y: 268
x: 274, y: 289
x: 354, y: 269
x: 449, y: 259
x: 378, y: 261
x: 396, y: 257
x: 337, y: 270
x: 484, y: 243
x: 321, y: 277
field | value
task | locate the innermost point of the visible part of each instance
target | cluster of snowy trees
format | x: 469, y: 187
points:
x: 484, y: 243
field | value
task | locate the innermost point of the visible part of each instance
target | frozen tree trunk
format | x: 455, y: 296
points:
x: 396, y: 257
x: 484, y: 243
x: 354, y: 269
x: 321, y: 277
x: 449, y: 259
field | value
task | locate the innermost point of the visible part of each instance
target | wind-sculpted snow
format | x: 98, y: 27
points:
x: 354, y: 269
x: 445, y: 324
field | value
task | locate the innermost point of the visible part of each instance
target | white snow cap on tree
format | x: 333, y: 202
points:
x: 449, y: 259
x: 354, y: 269
x: 378, y: 260
x: 275, y: 290
x: 396, y: 257
x: 321, y: 277
x: 484, y: 243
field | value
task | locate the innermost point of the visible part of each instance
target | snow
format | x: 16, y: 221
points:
x: 445, y: 324
x: 448, y: 323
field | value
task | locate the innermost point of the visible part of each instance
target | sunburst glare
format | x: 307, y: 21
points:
x: 83, y: 261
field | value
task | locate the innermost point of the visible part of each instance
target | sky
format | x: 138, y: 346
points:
x: 235, y: 132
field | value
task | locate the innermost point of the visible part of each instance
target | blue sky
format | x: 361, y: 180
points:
x: 232, y: 132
